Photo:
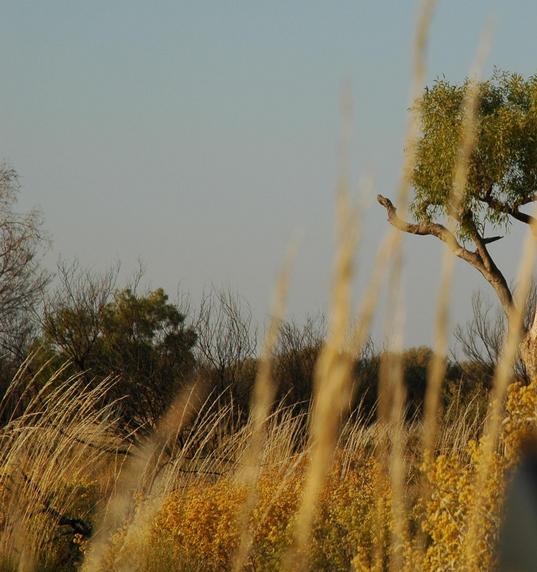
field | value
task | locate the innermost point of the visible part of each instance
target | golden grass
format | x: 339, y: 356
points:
x: 264, y: 393
x: 332, y: 389
x: 187, y: 510
x: 388, y: 494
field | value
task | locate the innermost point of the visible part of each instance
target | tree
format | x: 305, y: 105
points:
x: 415, y: 362
x: 482, y: 337
x: 72, y: 314
x: 22, y: 280
x: 226, y: 345
x: 296, y: 355
x: 142, y: 340
x: 502, y: 177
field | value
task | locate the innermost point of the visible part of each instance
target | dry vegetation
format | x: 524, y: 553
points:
x: 74, y: 495
x: 320, y: 488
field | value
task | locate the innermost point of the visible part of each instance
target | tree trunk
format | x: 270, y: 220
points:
x: 482, y: 261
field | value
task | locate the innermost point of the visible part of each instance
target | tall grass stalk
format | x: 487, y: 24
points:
x: 138, y: 475
x: 467, y: 145
x: 332, y: 380
x: 391, y: 379
x: 59, y: 439
x: 264, y: 393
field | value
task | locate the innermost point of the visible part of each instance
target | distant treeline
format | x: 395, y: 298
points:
x: 88, y: 327
x: 76, y: 322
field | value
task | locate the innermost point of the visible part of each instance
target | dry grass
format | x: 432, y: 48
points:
x: 160, y: 506
x: 349, y: 493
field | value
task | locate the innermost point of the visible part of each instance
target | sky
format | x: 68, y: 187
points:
x: 203, y: 137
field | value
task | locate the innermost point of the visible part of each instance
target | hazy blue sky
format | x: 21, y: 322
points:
x: 201, y: 136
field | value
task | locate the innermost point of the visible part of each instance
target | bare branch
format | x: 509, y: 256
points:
x: 479, y: 259
x: 22, y: 280
x: 432, y: 229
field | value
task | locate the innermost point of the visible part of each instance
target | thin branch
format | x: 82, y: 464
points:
x: 512, y: 211
x: 102, y: 448
x: 491, y: 239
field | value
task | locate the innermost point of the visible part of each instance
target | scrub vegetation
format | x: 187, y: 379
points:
x: 137, y: 433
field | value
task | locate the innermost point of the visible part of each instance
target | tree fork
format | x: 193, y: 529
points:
x: 481, y: 261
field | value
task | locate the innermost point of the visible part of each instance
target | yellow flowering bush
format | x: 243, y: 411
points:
x: 451, y: 480
x: 521, y: 418
x: 354, y: 521
x: 354, y: 518
x: 202, y: 520
x: 196, y: 527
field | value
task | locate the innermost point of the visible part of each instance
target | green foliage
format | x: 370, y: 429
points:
x: 141, y: 340
x: 143, y: 335
x: 503, y: 166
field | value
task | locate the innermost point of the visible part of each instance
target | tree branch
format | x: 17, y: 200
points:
x: 491, y: 239
x: 480, y: 259
x: 511, y: 211
x: 492, y: 272
x: 430, y: 228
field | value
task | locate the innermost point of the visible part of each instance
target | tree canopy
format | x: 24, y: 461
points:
x: 502, y: 175
x: 142, y: 340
